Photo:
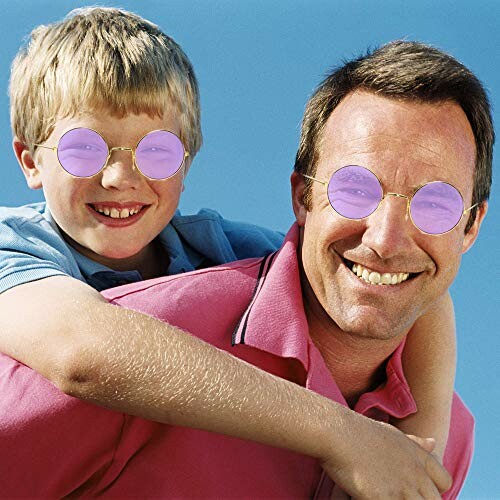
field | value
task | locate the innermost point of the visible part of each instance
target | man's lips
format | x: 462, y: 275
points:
x: 376, y: 275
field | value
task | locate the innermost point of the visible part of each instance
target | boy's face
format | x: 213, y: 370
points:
x: 73, y: 201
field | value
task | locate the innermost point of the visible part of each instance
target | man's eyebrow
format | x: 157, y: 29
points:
x: 349, y: 175
x: 439, y: 188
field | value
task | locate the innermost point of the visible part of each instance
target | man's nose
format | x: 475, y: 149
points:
x: 389, y: 229
x: 120, y: 172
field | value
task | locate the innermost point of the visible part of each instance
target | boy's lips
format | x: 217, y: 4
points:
x: 118, y: 205
x: 114, y: 214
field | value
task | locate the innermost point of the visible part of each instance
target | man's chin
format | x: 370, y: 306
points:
x: 367, y: 322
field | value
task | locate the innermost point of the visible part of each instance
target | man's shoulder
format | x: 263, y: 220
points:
x: 206, y: 302
x: 195, y: 284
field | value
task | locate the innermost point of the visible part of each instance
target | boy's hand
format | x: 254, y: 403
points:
x: 380, y: 462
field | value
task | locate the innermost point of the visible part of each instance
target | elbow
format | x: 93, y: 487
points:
x: 76, y: 372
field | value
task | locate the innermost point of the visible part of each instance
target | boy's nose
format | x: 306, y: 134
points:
x: 120, y: 171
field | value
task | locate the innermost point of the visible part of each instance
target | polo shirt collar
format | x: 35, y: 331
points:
x: 275, y: 322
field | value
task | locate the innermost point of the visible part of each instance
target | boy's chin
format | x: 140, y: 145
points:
x: 114, y: 253
x: 110, y: 251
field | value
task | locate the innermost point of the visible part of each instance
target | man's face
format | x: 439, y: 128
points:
x: 406, y: 145
x: 73, y: 201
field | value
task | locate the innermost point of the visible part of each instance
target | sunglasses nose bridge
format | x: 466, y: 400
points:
x: 123, y: 148
x: 399, y: 195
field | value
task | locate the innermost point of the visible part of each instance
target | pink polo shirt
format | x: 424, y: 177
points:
x: 53, y: 444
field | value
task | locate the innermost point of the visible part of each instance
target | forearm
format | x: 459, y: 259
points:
x: 147, y: 368
x: 429, y: 359
x: 133, y: 363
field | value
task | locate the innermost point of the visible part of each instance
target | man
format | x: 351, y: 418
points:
x: 373, y: 127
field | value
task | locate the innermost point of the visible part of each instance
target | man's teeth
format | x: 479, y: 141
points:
x: 375, y: 278
x: 114, y: 213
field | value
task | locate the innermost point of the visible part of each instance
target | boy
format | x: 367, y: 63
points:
x: 105, y: 116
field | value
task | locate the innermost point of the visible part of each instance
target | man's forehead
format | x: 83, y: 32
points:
x: 365, y: 124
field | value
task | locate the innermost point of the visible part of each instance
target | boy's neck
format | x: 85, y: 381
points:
x: 156, y: 263
x: 151, y: 262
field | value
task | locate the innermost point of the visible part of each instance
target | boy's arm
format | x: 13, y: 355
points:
x: 429, y: 359
x: 127, y: 361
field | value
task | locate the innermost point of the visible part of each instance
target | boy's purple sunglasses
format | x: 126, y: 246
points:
x: 82, y: 152
x: 355, y: 192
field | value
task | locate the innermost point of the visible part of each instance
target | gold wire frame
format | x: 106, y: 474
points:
x: 398, y: 195
x: 117, y: 148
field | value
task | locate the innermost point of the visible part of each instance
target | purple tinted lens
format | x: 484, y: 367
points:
x: 436, y: 208
x: 354, y: 192
x: 82, y: 152
x: 159, y: 154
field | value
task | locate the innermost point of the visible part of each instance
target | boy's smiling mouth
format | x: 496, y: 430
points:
x: 126, y: 212
x: 117, y: 213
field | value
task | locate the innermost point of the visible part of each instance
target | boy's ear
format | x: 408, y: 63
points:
x: 25, y: 158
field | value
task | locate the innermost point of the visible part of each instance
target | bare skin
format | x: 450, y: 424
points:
x: 184, y: 381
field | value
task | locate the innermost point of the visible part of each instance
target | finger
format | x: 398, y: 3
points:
x: 438, y: 474
x: 428, y: 444
x: 429, y: 492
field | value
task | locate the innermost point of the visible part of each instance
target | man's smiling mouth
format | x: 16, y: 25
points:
x: 376, y: 278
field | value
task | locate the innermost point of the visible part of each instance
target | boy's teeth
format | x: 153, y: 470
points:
x: 375, y: 278
x: 114, y: 213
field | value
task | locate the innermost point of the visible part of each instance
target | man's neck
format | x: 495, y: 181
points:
x: 357, y: 364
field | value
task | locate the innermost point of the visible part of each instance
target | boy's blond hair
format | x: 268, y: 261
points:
x: 101, y: 60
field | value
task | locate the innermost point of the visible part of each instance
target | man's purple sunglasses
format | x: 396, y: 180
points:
x: 355, y: 192
x: 83, y: 152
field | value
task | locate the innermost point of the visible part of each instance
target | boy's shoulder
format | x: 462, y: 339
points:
x: 31, y: 247
x: 18, y: 216
x: 28, y: 224
x: 225, y: 240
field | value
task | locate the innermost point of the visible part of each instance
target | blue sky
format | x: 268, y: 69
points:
x: 257, y: 63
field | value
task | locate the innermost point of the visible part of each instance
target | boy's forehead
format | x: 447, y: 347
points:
x: 111, y: 122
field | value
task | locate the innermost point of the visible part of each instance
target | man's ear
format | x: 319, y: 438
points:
x: 25, y: 158
x: 298, y: 186
x: 473, y: 232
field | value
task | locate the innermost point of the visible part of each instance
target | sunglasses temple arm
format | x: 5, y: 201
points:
x: 470, y: 208
x: 314, y: 179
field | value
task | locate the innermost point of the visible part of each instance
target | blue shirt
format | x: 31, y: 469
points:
x: 32, y: 248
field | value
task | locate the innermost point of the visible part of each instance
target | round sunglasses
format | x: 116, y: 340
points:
x: 82, y: 152
x: 355, y: 193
